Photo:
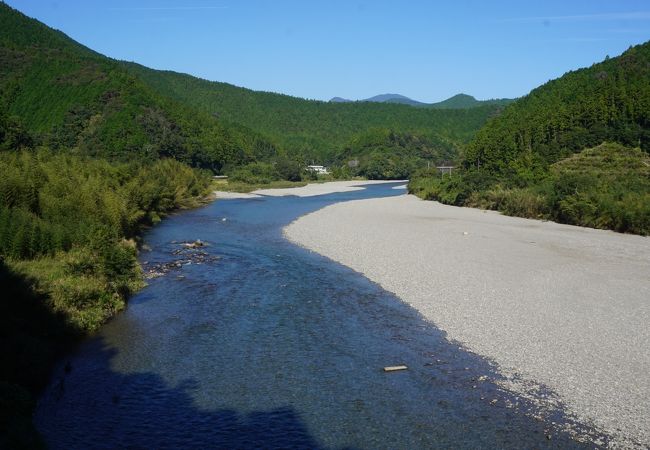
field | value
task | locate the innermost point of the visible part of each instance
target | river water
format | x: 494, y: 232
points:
x: 267, y: 345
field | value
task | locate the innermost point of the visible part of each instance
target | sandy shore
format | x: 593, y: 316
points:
x: 305, y: 191
x: 562, y: 306
x: 226, y: 195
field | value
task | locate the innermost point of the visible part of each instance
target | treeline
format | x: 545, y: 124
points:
x: 69, y: 97
x: 531, y: 160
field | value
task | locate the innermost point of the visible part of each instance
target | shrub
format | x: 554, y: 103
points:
x: 255, y: 173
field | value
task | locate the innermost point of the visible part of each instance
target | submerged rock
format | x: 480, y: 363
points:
x: 188, y: 254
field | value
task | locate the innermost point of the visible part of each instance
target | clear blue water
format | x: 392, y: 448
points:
x: 272, y: 346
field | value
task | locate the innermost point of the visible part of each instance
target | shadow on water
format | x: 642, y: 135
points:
x: 272, y: 346
x: 32, y: 338
x: 140, y: 411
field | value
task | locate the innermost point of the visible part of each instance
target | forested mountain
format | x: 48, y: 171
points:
x: 308, y: 129
x: 609, y: 101
x: 68, y: 96
x: 513, y: 162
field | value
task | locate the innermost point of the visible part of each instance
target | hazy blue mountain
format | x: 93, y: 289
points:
x: 382, y: 98
x: 339, y: 100
x: 394, y: 98
x: 461, y: 101
x: 458, y: 101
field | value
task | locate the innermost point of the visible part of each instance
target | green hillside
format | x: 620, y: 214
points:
x: 307, y: 129
x: 71, y: 97
x: 513, y: 162
x: 609, y: 101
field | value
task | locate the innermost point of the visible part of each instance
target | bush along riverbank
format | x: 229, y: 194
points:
x: 604, y: 187
x: 68, y: 231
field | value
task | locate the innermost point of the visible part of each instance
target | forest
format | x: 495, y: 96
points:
x: 574, y: 150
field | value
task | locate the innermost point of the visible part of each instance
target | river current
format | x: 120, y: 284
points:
x: 263, y: 344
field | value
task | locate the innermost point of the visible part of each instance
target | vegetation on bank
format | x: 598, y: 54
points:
x: 604, y: 187
x: 531, y: 159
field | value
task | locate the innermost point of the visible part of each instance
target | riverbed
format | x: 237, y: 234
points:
x: 260, y: 343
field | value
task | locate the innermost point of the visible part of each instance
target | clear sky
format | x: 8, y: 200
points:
x: 426, y: 50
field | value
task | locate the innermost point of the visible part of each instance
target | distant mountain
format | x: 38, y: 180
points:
x: 463, y: 101
x: 382, y: 98
x: 394, y: 98
x: 458, y: 101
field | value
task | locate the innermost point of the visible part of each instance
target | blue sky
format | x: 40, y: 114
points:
x: 427, y: 50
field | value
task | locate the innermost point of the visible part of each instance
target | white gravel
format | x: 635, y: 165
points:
x: 308, y: 190
x: 563, y: 306
x: 319, y: 188
x: 225, y: 195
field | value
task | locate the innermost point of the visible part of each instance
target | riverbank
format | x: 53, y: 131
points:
x: 308, y: 190
x: 552, y: 305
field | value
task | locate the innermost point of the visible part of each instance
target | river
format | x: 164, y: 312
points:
x: 263, y: 344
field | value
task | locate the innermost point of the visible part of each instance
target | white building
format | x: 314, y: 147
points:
x: 320, y: 170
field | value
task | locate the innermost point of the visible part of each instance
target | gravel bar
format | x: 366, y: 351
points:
x: 308, y: 190
x: 559, y: 306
